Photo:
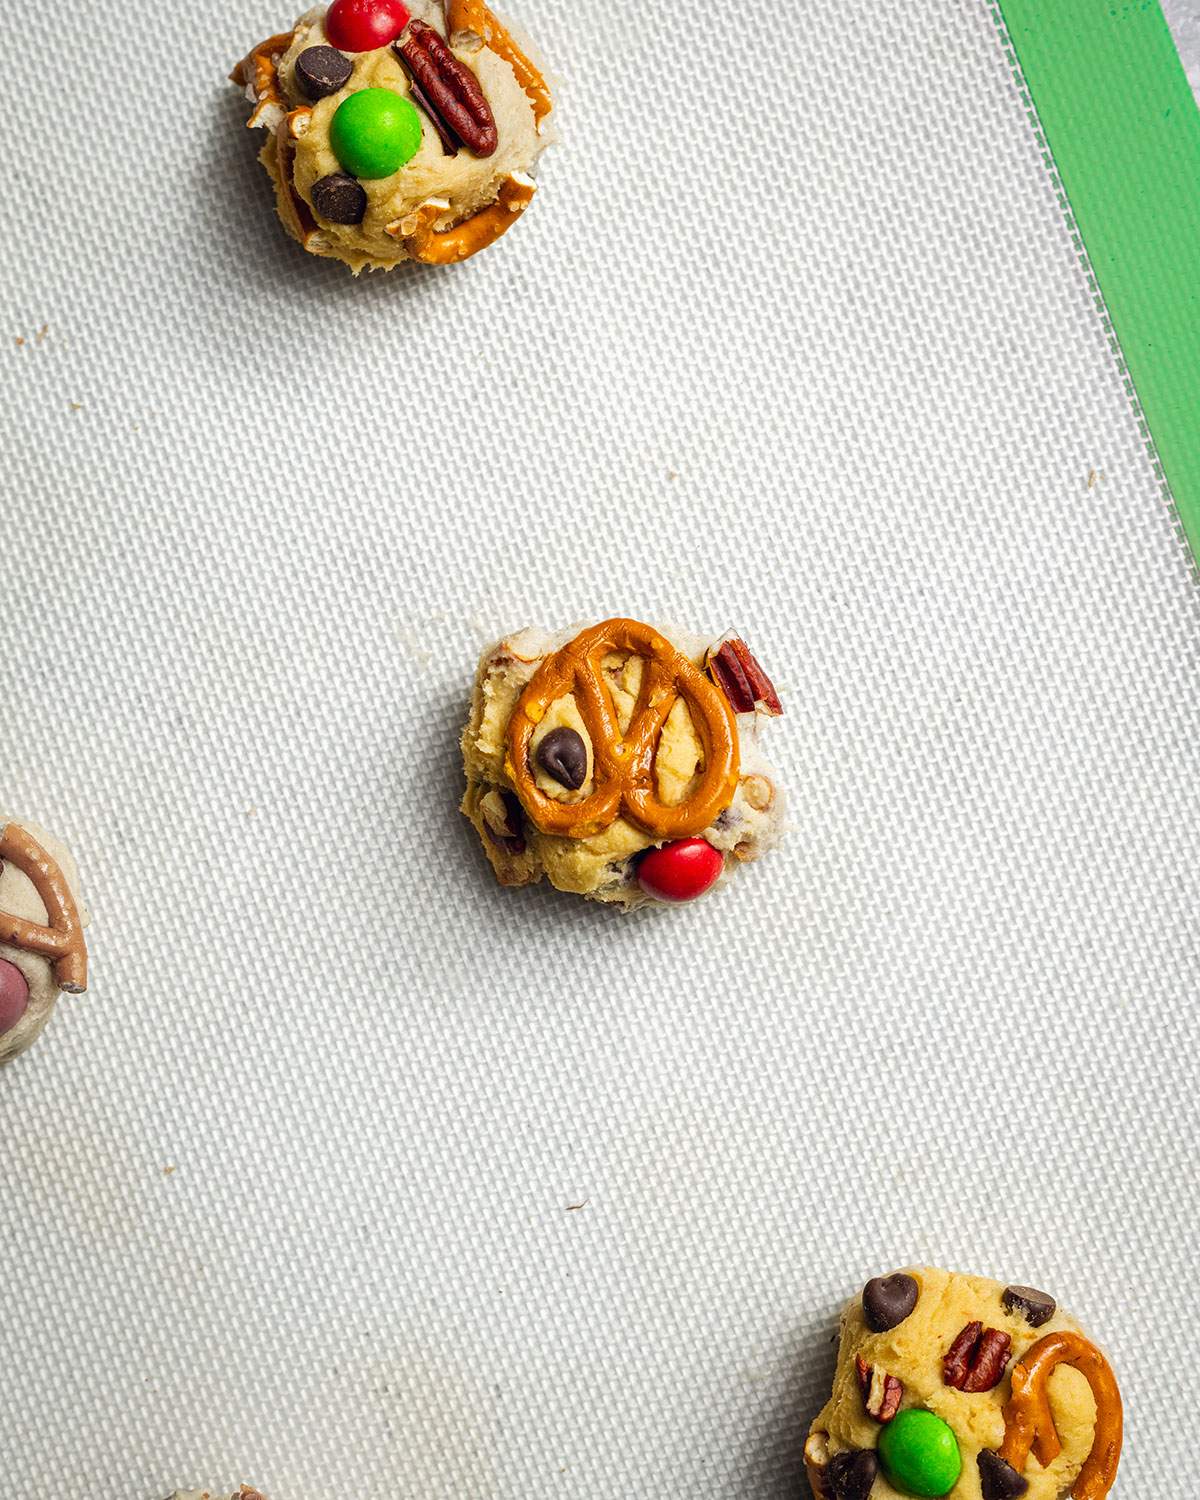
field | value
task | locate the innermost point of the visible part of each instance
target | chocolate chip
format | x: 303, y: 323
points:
x: 888, y: 1300
x: 1034, y: 1306
x: 999, y: 1480
x: 321, y: 71
x: 851, y: 1475
x: 563, y: 755
x: 338, y: 199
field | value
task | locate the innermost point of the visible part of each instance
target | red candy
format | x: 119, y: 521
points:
x: 14, y: 995
x: 680, y: 871
x: 363, y: 25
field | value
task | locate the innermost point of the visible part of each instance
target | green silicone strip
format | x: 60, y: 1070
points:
x: 1122, y: 128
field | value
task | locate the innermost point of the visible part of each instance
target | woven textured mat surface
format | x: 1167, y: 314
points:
x: 795, y: 340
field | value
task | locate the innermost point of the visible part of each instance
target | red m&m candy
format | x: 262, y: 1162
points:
x: 14, y: 995
x: 680, y: 871
x: 363, y: 25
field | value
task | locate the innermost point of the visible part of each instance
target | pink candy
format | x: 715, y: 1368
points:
x: 14, y: 995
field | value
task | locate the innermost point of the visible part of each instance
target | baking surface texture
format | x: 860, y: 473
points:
x: 1183, y: 16
x: 355, y: 1174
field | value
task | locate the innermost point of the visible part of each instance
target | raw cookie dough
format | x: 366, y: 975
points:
x: 742, y: 816
x: 930, y: 1360
x: 245, y: 1493
x: 444, y: 202
x: 30, y: 980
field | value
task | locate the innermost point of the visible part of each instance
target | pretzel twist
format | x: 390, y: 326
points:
x: 61, y: 939
x: 624, y: 764
x: 475, y: 16
x: 1029, y: 1422
x: 444, y: 247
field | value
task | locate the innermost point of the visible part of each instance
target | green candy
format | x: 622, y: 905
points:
x: 374, y: 132
x: 919, y: 1453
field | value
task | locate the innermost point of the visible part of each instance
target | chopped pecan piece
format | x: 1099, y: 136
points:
x: 977, y: 1359
x: 882, y: 1393
x: 737, y: 673
x: 503, y: 821
x: 450, y: 92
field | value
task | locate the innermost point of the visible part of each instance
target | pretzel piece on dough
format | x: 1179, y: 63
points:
x: 1029, y: 1421
x: 625, y: 761
x: 443, y: 247
x: 61, y: 938
x: 474, y: 18
x: 258, y: 74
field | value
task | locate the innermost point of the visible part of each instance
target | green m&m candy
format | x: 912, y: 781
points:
x: 374, y: 132
x: 919, y: 1453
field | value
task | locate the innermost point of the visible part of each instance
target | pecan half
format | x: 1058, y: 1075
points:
x: 737, y: 673
x: 977, y: 1359
x: 449, y: 88
x: 882, y: 1392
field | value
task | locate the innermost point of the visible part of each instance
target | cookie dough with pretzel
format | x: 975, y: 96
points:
x: 399, y: 129
x: 42, y: 946
x: 620, y: 762
x: 960, y: 1386
x: 245, y: 1493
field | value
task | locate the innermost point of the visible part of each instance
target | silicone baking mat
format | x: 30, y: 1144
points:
x: 354, y: 1175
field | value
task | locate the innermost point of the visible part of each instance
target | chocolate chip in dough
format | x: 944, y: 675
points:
x: 338, y: 199
x: 1034, y: 1306
x: 563, y: 755
x: 998, y: 1479
x: 888, y: 1300
x: 851, y: 1475
x: 321, y: 71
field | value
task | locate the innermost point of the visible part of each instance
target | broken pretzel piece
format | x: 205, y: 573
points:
x: 293, y: 211
x: 1029, y: 1420
x: 60, y: 938
x: 469, y: 19
x: 445, y: 247
x: 258, y: 74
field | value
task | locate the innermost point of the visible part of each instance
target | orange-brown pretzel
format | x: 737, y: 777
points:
x: 1029, y: 1422
x: 293, y: 210
x: 444, y: 247
x: 261, y: 72
x: 62, y: 938
x: 624, y: 764
x: 475, y: 17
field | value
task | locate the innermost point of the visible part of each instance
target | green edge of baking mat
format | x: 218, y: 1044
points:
x: 1122, y: 131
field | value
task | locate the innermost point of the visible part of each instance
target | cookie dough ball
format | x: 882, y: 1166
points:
x: 398, y: 129
x: 944, y: 1385
x: 245, y: 1493
x: 551, y: 717
x: 42, y: 950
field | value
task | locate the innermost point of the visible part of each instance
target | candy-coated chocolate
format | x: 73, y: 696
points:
x: 919, y: 1453
x: 680, y: 871
x: 363, y: 25
x: 374, y: 132
x: 14, y: 995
